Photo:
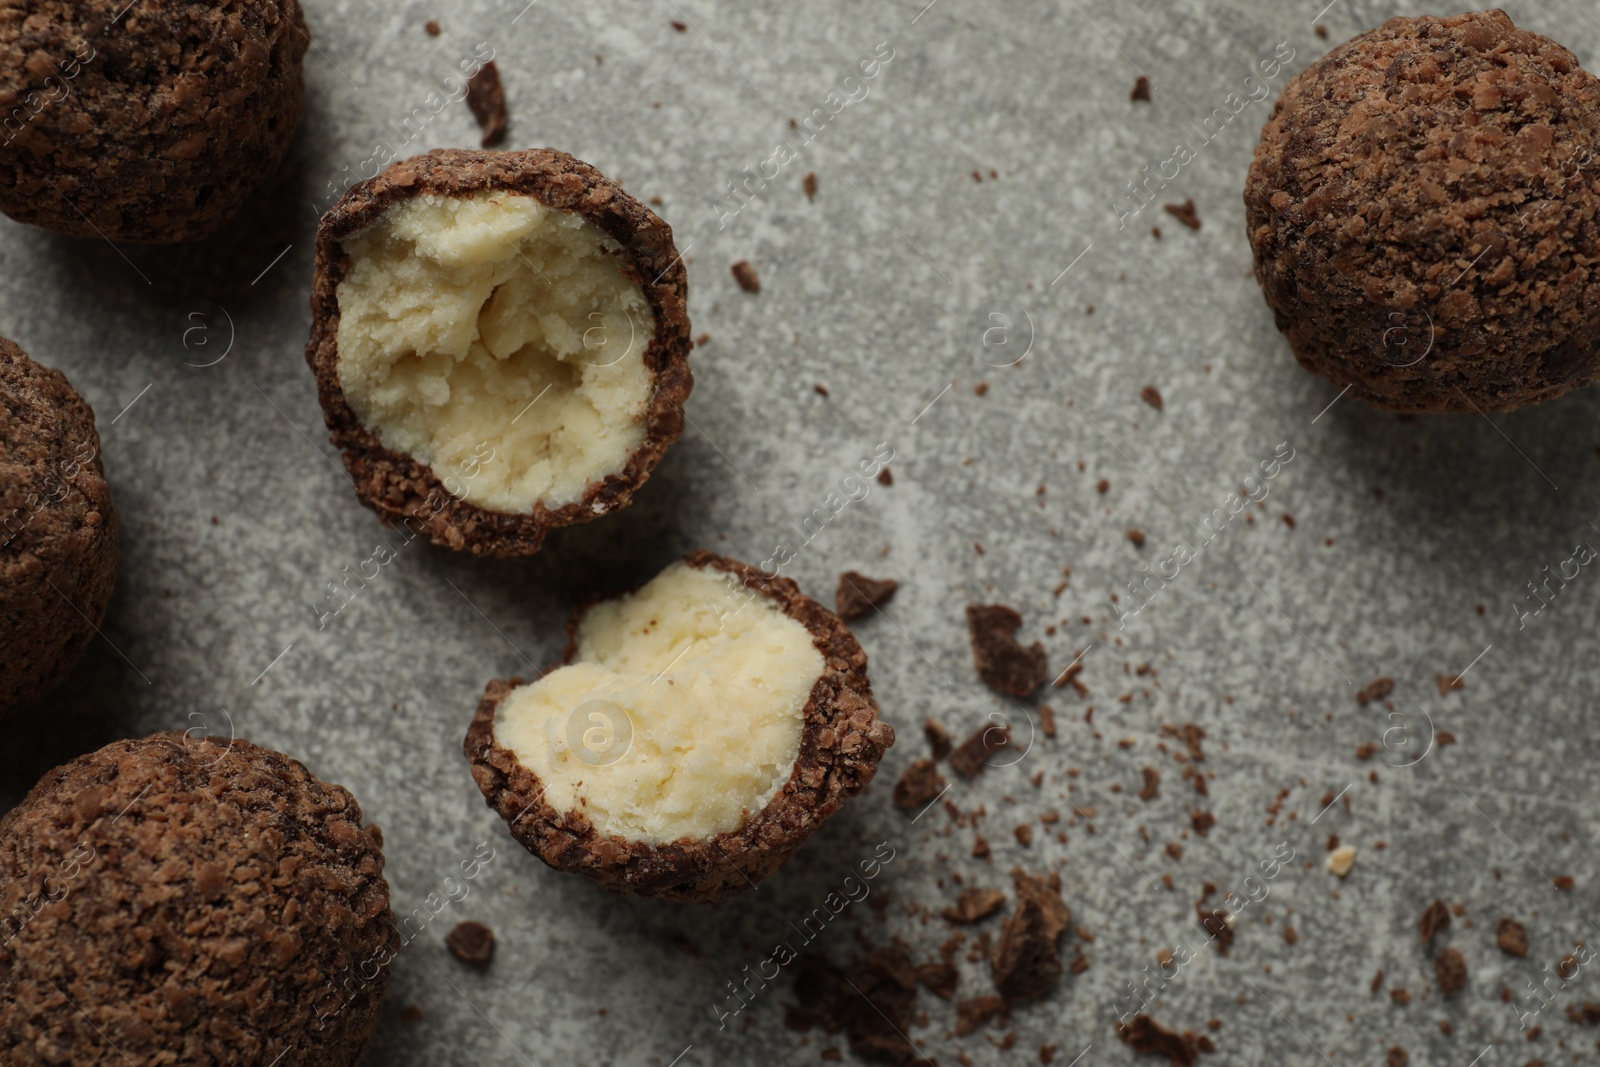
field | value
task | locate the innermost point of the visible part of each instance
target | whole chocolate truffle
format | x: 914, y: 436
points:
x: 1422, y: 207
x: 149, y: 120
x: 702, y: 728
x: 190, y: 900
x: 500, y: 342
x: 58, y: 532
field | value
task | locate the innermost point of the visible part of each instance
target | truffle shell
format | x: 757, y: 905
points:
x: 1423, y: 212
x: 401, y: 489
x: 58, y: 531
x: 190, y: 900
x: 145, y: 121
x: 841, y: 742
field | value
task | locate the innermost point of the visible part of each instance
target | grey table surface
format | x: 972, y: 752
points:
x: 1409, y: 553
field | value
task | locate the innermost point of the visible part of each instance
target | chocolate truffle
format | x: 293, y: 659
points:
x: 149, y: 120
x: 1422, y: 207
x: 58, y: 532
x: 190, y: 900
x: 701, y: 728
x: 500, y: 342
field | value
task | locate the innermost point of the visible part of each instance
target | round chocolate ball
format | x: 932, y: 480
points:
x: 190, y: 900
x: 1423, y: 211
x: 58, y: 532
x: 144, y: 121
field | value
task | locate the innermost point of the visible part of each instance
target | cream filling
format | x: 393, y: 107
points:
x: 496, y: 340
x: 680, y: 714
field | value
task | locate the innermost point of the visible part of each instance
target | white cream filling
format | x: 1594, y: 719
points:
x: 496, y: 340
x: 680, y: 714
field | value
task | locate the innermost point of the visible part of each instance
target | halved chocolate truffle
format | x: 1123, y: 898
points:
x: 701, y: 729
x: 501, y: 344
x: 1426, y: 220
x: 148, y: 120
x: 58, y: 532
x: 190, y: 900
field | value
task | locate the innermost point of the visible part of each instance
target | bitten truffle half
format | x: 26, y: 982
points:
x: 1423, y: 211
x: 190, y: 900
x: 701, y: 729
x: 58, y: 532
x: 148, y: 120
x: 500, y: 341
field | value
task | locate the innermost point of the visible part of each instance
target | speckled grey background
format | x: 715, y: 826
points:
x: 235, y: 513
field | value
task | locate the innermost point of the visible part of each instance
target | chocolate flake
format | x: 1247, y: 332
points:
x: 1026, y: 963
x: 857, y: 594
x: 1004, y: 664
x: 487, y: 99
x: 920, y: 784
x: 1143, y: 1034
x: 969, y: 759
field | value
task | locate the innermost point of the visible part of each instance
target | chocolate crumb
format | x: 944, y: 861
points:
x: 1376, y: 689
x: 679, y: 26
x: 1563, y: 882
x: 857, y: 594
x: 1026, y: 963
x: 1450, y: 971
x: 938, y: 739
x: 1215, y: 921
x: 487, y: 99
x: 940, y: 978
x: 885, y: 478
x: 1320, y: 30
x: 1155, y: 231
x: 1047, y: 720
x: 1435, y: 917
x: 1152, y: 783
x: 820, y: 389
x: 1144, y: 1035
x: 1004, y: 664
x: 1202, y: 821
x: 1512, y: 937
x: 808, y: 185
x: 1141, y: 89
x: 973, y: 1012
x: 1291, y: 936
x: 745, y: 275
x: 472, y: 943
x: 873, y: 1003
x: 1136, y: 535
x: 1152, y: 396
x: 411, y: 1014
x: 968, y: 760
x: 1024, y: 835
x: 1447, y: 682
x: 974, y: 904
x: 431, y: 28
x: 1377, y: 980
x: 1401, y: 996
x: 920, y: 784
x: 1184, y: 213
x: 1397, y: 1057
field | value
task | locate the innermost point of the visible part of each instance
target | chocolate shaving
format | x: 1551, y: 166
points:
x: 968, y: 760
x: 1144, y: 1035
x: 974, y: 904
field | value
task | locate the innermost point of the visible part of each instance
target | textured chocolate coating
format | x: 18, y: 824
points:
x: 201, y: 901
x: 152, y: 125
x: 840, y: 746
x: 1422, y: 207
x: 399, y: 488
x: 58, y: 532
